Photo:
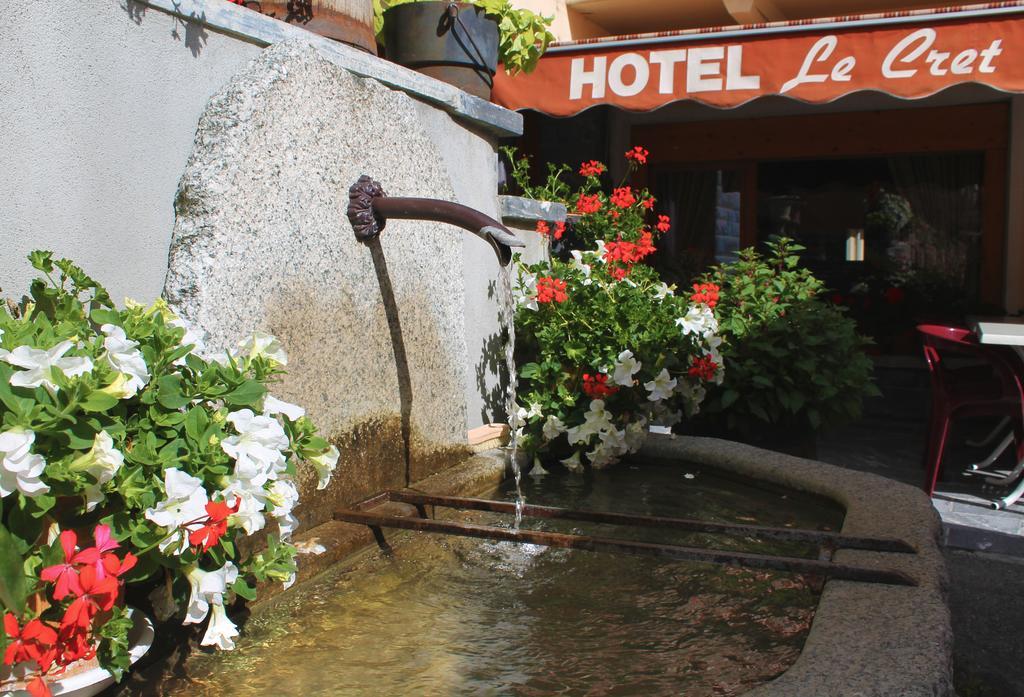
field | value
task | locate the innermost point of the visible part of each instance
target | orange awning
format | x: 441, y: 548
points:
x: 907, y: 54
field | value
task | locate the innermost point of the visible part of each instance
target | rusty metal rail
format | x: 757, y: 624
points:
x: 363, y: 515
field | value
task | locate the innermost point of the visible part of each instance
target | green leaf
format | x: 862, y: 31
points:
x: 13, y: 585
x: 169, y: 392
x: 98, y: 401
x: 243, y: 589
x: 249, y: 393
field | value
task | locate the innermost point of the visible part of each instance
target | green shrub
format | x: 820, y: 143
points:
x: 791, y: 359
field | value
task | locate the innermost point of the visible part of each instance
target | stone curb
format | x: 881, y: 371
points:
x: 262, y: 30
x: 867, y: 640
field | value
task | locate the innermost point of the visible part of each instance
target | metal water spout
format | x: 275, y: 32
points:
x: 369, y: 209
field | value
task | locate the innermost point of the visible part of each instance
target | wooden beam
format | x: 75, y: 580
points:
x: 753, y: 11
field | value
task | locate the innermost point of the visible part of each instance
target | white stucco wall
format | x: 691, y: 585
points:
x: 99, y: 101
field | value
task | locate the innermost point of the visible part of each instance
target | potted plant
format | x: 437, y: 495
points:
x: 461, y: 43
x: 604, y: 347
x: 347, y: 21
x: 128, y: 461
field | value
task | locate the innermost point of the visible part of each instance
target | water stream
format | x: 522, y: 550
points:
x: 507, y: 313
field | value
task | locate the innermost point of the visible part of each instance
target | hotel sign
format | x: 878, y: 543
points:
x: 905, y: 60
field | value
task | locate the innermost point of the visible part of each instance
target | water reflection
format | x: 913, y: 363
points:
x: 453, y: 616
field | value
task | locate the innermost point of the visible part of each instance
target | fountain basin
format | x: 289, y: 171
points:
x: 865, y: 639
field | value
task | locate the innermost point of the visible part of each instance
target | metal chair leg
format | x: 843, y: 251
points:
x: 1012, y: 497
x: 993, y: 434
x: 999, y: 450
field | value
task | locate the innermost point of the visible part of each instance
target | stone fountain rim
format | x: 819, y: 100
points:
x: 866, y: 639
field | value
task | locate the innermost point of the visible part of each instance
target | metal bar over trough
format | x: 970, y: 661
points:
x: 363, y: 514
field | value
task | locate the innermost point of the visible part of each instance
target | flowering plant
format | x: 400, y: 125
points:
x: 113, y: 428
x: 604, y: 346
x: 792, y: 358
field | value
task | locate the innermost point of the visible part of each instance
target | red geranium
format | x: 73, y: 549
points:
x: 588, y: 203
x: 648, y: 203
x: 664, y: 223
x: 559, y: 230
x: 597, y: 387
x: 623, y: 197
x: 214, y: 526
x: 703, y: 367
x: 551, y: 290
x: 706, y: 293
x: 637, y: 154
x: 542, y: 228
x: 593, y: 168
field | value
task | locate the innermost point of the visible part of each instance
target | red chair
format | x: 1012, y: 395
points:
x: 990, y: 387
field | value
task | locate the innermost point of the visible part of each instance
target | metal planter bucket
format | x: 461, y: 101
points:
x: 453, y: 42
x: 348, y: 21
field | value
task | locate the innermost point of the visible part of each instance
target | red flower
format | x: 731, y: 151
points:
x: 703, y: 367
x: 551, y: 290
x: 588, y: 204
x: 706, y: 293
x: 894, y: 296
x: 593, y: 168
x: 559, y: 230
x: 646, y: 244
x: 838, y: 299
x: 216, y: 525
x: 597, y: 387
x: 619, y: 272
x: 65, y: 576
x: 97, y: 595
x: 36, y: 642
x: 637, y: 154
x: 664, y: 224
x: 648, y: 203
x: 542, y: 228
x: 623, y: 197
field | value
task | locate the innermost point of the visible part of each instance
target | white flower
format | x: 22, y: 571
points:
x: 625, y: 368
x: 281, y: 499
x: 600, y: 251
x: 208, y: 589
x: 699, y: 320
x: 20, y: 468
x: 257, y: 449
x: 196, y: 338
x: 101, y: 462
x: 261, y: 344
x: 324, y: 463
x: 636, y: 434
x: 221, y: 631
x: 552, y: 427
x: 662, y: 290
x: 272, y: 405
x: 660, y: 387
x: 124, y: 356
x: 693, y: 396
x: 525, y: 290
x: 596, y: 419
x: 39, y: 365
x: 573, y: 463
x: 522, y: 414
x: 577, y: 263
x: 185, y: 504
x: 251, y: 502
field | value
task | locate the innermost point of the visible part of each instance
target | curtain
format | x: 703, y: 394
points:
x: 689, y: 199
x: 941, y: 242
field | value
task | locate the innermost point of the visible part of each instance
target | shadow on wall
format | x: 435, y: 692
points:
x: 195, y: 34
x: 493, y: 363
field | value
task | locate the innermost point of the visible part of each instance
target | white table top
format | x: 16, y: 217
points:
x: 1003, y: 331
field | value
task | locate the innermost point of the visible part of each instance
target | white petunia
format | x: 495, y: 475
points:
x: 257, y: 449
x: 700, y: 320
x: 625, y: 368
x: 124, y: 356
x: 660, y: 387
x: 196, y: 338
x: 180, y: 512
x: 101, y: 462
x: 281, y: 499
x: 208, y: 589
x: 20, y: 468
x: 272, y: 405
x: 262, y: 344
x: 662, y: 290
x: 600, y: 250
x: 578, y: 264
x: 525, y: 290
x: 573, y: 464
x: 252, y: 501
x: 553, y: 427
x: 596, y: 419
x: 324, y: 464
x: 636, y: 434
x: 39, y: 365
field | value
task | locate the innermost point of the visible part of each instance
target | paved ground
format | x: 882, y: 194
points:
x: 984, y: 548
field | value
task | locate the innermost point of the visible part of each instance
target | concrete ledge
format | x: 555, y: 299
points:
x: 528, y: 210
x: 249, y: 25
x: 867, y: 640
